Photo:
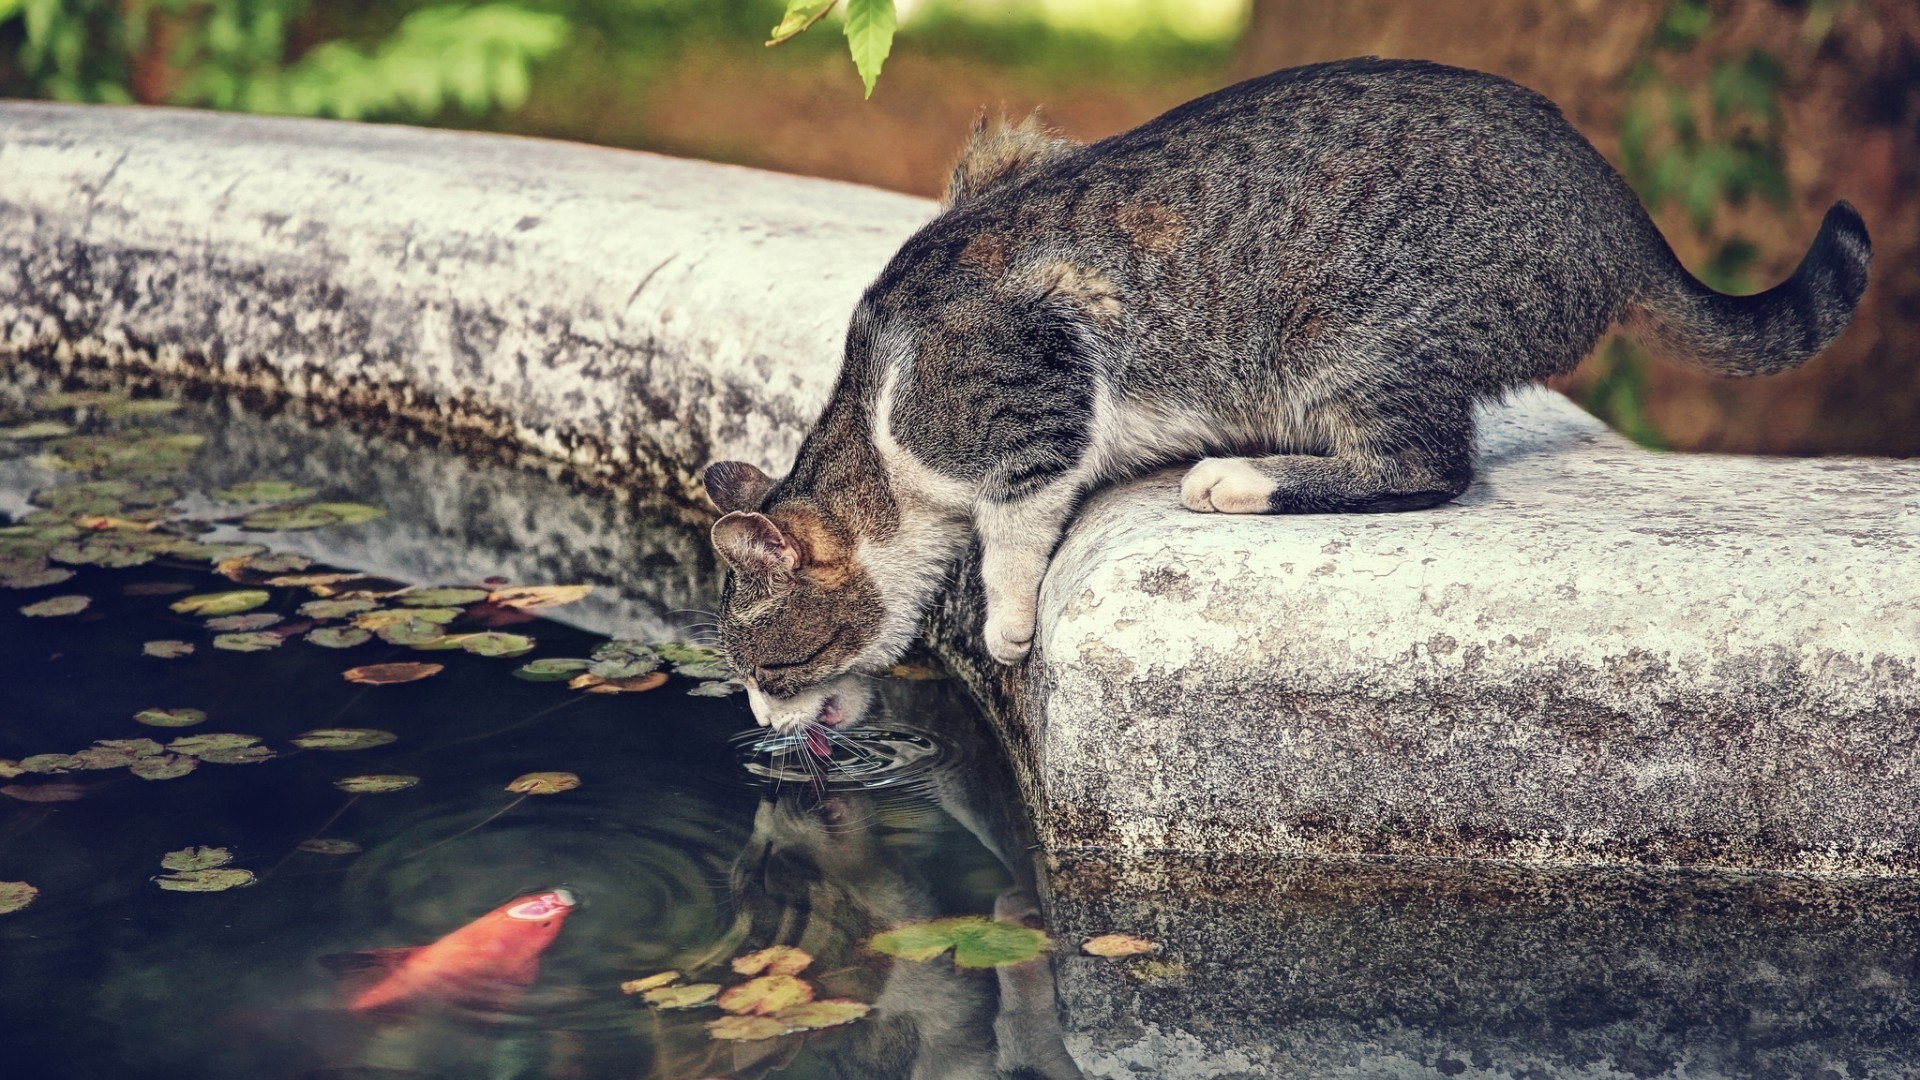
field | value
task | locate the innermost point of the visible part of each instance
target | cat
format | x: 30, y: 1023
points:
x: 1306, y: 281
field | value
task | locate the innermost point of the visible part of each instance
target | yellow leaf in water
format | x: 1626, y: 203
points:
x: 594, y: 684
x: 635, y: 986
x: 1118, y: 945
x: 681, y: 997
x: 534, y: 597
x: 822, y: 1014
x: 766, y: 994
x: 746, y: 1028
x: 775, y: 960
x: 544, y: 783
x: 389, y: 674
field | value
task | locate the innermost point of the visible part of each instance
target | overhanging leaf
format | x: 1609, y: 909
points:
x: 800, y: 15
x: 870, y: 25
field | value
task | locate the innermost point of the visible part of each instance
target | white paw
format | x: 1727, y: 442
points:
x: 1226, y: 486
x: 1009, y: 635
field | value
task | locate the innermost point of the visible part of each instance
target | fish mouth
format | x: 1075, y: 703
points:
x: 544, y: 906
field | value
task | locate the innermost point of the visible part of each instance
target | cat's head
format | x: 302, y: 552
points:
x: 799, y: 614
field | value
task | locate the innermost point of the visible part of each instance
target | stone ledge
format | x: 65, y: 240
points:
x: 1598, y: 655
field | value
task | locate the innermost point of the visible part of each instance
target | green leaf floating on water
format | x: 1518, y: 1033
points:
x: 491, y: 643
x: 196, y: 858
x: 681, y: 997
x: 222, y: 749
x: 623, y: 660
x: 255, y: 642
x: 374, y: 620
x: 379, y: 784
x: 342, y: 738
x: 259, y: 620
x: 15, y: 895
x: 167, y: 650
x: 255, y: 491
x: 416, y: 632
x: 220, y: 880
x: 163, y: 767
x: 716, y: 688
x: 110, y: 552
x: 440, y: 598
x: 55, y: 606
x: 680, y: 652
x: 335, y: 609
x: 976, y: 942
x: 223, y: 603
x: 35, y: 579
x: 170, y: 717
x: 36, y: 429
x: 549, y: 670
x: 311, y: 516
x: 339, y: 637
x: 102, y: 496
x: 48, y: 764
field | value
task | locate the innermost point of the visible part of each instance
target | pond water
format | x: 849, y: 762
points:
x: 688, y: 842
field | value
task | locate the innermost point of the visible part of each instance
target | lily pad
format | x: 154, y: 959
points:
x: 183, y: 548
x: 815, y: 1015
x: 326, y: 846
x: 379, y: 784
x: 339, y: 637
x: 163, y: 767
x: 36, y: 429
x: 310, y: 516
x: 623, y: 660
x: 594, y: 684
x: 681, y: 652
x: 440, y: 598
x: 262, y: 491
x: 766, y: 995
x: 343, y: 738
x: 110, y: 553
x: 535, y: 597
x: 389, y: 674
x: 222, y: 603
x: 681, y: 997
x: 255, y: 642
x: 56, y: 606
x: 15, y: 895
x: 774, y: 960
x: 196, y: 858
x: 335, y: 609
x: 170, y: 717
x: 167, y: 650
x: 486, y: 643
x: 976, y: 942
x: 1112, y: 945
x: 258, y: 620
x: 48, y: 764
x: 544, y: 783
x: 271, y: 562
x: 416, y: 632
x: 716, y: 688
x: 222, y: 748
x: 35, y: 579
x: 649, y: 982
x: 703, y: 671
x: 220, y: 880
x: 374, y: 620
x: 312, y: 581
x: 746, y: 1028
x: 549, y: 670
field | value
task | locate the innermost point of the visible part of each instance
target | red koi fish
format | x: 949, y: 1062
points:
x: 487, y: 962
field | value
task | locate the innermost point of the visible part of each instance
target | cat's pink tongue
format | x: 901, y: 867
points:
x: 817, y: 742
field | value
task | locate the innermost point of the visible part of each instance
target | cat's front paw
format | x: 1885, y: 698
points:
x: 1226, y: 486
x: 1009, y: 638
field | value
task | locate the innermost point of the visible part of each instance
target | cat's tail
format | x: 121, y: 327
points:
x: 1767, y: 332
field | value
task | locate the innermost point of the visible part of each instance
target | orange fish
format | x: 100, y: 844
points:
x: 487, y: 962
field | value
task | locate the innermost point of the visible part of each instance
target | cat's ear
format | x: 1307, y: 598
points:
x: 736, y: 485
x: 1002, y: 152
x: 752, y: 544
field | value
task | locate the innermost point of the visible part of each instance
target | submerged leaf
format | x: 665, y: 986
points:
x: 43, y: 792
x: 196, y: 858
x: 56, y: 606
x: 324, y: 846
x: 170, y: 717
x: 535, y: 597
x: 746, y: 1028
x: 223, y: 603
x: 343, y: 739
x: 339, y: 637
x: 167, y: 650
x: 766, y: 994
x: 681, y: 997
x: 389, y: 674
x: 543, y: 783
x: 15, y: 895
x: 775, y: 960
x: 549, y: 670
x: 229, y: 877
x: 1111, y: 945
x: 262, y: 491
x: 377, y: 784
x: 976, y: 942
x: 649, y: 982
x: 256, y: 642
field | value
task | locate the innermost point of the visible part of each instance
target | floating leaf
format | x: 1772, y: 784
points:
x: 679, y: 652
x: 544, y: 783
x: 256, y: 621
x: 248, y: 642
x: 323, y: 846
x: 58, y: 605
x: 196, y: 858
x: 550, y: 670
x: 375, y: 620
x: 1111, y: 945
x: 223, y: 603
x: 309, y: 581
x: 36, y: 429
x: 681, y: 997
x: 140, y: 747
x: 163, y: 767
x: 389, y: 674
x: 167, y: 650
x: 343, y: 738
x: 774, y: 960
x: 339, y: 637
x: 170, y: 717
x: 635, y: 986
x: 766, y: 994
x: 416, y: 632
x: 489, y: 643
x: 716, y: 688
x: 48, y: 764
x: 107, y: 552
x: 213, y: 553
x: 976, y: 942
x: 43, y: 792
x: 272, y: 562
x: 10, y: 769
x: 35, y: 579
x: 127, y: 409
x: 623, y: 660
x: 262, y: 491
x: 310, y: 516
x: 703, y: 671
x: 378, y: 784
x: 106, y: 523
x: 222, y: 749
x: 104, y: 757
x: 220, y: 880
x: 336, y: 609
x: 535, y: 597
x: 441, y: 598
x: 15, y: 895
x: 594, y: 684
x: 746, y: 1028
x: 822, y: 1014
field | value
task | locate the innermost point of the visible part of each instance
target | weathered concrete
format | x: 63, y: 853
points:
x: 1599, y: 654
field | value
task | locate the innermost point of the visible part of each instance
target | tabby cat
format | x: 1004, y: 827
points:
x: 1306, y: 281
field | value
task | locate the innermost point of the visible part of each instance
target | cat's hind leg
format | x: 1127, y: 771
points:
x: 1378, y: 465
